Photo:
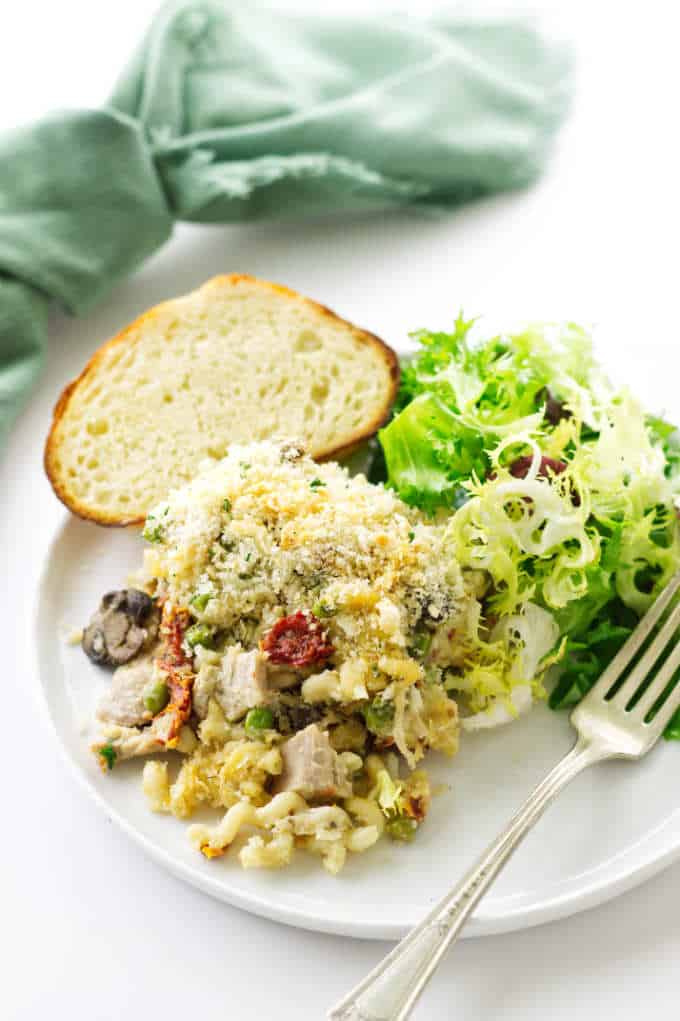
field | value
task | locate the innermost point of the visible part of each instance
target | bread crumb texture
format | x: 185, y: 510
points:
x: 268, y: 532
x: 237, y: 360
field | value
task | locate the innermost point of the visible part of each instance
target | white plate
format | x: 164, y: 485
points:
x: 615, y: 826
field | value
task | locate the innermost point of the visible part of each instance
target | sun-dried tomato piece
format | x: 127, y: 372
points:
x: 176, y: 666
x: 298, y: 640
x: 178, y: 708
x: 174, y: 624
x: 548, y: 466
x: 415, y: 808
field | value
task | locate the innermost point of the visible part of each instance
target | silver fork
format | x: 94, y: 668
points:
x: 611, y: 723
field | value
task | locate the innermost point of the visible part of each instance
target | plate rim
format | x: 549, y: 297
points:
x: 615, y: 882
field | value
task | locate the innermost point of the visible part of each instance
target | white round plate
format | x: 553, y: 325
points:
x: 615, y: 826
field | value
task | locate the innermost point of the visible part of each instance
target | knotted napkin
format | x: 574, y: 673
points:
x: 232, y: 112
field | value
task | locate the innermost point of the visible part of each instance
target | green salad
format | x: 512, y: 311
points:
x: 560, y: 491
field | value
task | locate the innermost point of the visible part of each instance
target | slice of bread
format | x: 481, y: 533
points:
x: 239, y: 359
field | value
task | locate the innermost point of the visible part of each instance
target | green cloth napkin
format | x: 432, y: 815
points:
x: 232, y: 112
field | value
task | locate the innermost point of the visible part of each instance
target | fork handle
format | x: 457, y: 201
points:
x: 390, y: 991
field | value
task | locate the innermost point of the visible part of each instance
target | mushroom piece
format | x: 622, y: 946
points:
x: 126, y: 622
x: 291, y: 717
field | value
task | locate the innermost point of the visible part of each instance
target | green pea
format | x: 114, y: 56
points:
x: 402, y: 828
x: 201, y: 600
x: 156, y: 696
x: 379, y: 715
x: 322, y: 609
x: 259, y: 719
x: 108, y: 753
x: 200, y: 634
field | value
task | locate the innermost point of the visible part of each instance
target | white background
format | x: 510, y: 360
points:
x: 93, y: 929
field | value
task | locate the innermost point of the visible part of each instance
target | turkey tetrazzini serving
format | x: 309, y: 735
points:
x: 295, y: 635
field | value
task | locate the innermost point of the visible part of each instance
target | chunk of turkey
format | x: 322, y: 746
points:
x: 131, y: 742
x: 240, y: 682
x: 311, y: 767
x: 123, y: 703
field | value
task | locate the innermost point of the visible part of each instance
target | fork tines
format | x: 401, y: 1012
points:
x: 638, y: 695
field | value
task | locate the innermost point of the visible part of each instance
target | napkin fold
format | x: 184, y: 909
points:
x: 232, y: 112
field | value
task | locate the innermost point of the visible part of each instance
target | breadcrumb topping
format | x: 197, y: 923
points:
x: 267, y: 532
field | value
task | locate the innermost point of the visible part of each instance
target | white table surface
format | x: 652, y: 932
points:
x: 94, y: 930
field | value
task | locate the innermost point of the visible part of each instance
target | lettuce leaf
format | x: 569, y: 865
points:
x: 667, y: 436
x: 388, y: 793
x: 672, y: 731
x: 504, y: 670
x: 430, y: 452
x: 589, y: 652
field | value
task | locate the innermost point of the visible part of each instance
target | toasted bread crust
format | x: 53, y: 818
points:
x: 338, y: 451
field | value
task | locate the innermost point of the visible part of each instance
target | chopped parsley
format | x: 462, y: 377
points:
x: 379, y: 715
x: 108, y: 753
x: 226, y: 505
x: 153, y: 530
x: 200, y: 634
x: 317, y: 484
